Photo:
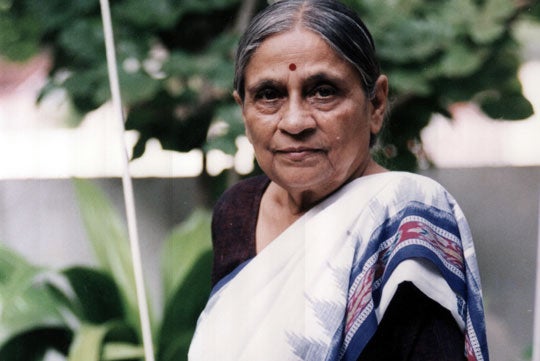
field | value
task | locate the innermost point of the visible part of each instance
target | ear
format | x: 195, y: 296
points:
x: 237, y: 98
x: 378, y: 104
x: 240, y: 103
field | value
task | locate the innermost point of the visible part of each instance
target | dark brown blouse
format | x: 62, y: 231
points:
x: 414, y: 327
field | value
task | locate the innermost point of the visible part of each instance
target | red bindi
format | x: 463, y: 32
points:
x: 292, y: 67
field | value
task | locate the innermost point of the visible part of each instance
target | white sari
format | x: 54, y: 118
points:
x: 319, y: 290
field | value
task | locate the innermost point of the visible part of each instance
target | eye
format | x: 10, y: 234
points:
x: 323, y: 91
x: 267, y: 94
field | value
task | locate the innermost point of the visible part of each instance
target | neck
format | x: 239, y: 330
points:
x: 297, y: 202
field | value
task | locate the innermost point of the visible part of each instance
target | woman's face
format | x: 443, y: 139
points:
x: 306, y: 113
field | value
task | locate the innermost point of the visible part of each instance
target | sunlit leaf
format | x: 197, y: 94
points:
x: 108, y: 236
x: 460, y: 61
x: 25, y: 304
x: 88, y: 343
x: 491, y: 20
x: 92, y: 343
x: 121, y: 351
x: 183, y: 248
x: 407, y: 82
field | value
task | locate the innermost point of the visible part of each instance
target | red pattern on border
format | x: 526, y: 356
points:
x: 360, y: 299
x: 469, y: 352
x: 450, y: 250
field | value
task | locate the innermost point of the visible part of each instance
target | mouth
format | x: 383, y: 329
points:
x: 297, y: 153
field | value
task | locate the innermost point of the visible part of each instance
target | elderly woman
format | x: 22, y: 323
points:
x: 329, y: 256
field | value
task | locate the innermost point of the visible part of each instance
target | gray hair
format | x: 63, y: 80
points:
x: 338, y: 25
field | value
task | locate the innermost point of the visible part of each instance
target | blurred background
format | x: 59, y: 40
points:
x: 465, y: 91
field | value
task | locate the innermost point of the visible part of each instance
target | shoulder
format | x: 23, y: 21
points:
x: 245, y: 191
x: 237, y: 209
x: 411, y: 206
x: 413, y: 183
x: 233, y: 225
x: 402, y: 189
x: 401, y: 197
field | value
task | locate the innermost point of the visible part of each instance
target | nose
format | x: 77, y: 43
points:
x: 296, y: 118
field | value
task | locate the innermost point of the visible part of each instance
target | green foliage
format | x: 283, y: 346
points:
x: 175, y: 62
x: 188, y: 242
x: 181, y: 312
x: 28, y: 312
x: 107, y: 235
x: 98, y: 295
x: 91, y: 314
x: 436, y: 54
x: 34, y: 343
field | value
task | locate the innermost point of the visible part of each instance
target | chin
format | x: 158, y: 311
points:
x: 304, y: 181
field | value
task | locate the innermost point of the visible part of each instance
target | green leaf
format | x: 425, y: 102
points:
x: 136, y: 87
x: 183, y: 124
x: 27, y: 309
x: 514, y: 106
x: 109, y: 239
x: 19, y: 37
x: 84, y: 40
x: 460, y: 61
x: 404, y: 81
x: 88, y: 343
x: 490, y: 22
x: 459, y: 14
x: 121, y: 351
x: 25, y: 303
x: 230, y: 116
x: 56, y: 14
x: 15, y: 271
x: 97, y: 294
x: 183, y: 248
x: 147, y: 13
x: 182, y: 311
x: 33, y: 344
x: 401, y: 45
x: 103, y: 342
x: 88, y: 88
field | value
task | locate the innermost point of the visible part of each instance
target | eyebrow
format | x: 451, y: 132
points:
x: 263, y: 83
x: 323, y: 77
x: 320, y: 77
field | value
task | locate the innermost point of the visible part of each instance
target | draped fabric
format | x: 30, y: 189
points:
x: 320, y: 289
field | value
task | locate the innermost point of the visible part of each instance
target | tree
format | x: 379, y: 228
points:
x: 176, y: 62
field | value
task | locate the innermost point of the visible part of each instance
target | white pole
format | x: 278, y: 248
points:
x: 127, y: 185
x: 536, y: 324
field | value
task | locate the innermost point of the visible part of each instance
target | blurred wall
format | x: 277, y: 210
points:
x: 40, y: 218
x: 501, y: 205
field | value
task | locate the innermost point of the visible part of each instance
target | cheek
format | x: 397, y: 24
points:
x: 252, y: 133
x: 258, y: 128
x: 259, y: 137
x: 249, y: 127
x: 351, y: 138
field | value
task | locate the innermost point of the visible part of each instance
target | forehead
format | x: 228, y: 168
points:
x: 306, y: 49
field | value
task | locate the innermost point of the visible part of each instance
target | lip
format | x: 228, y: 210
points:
x: 298, y: 153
